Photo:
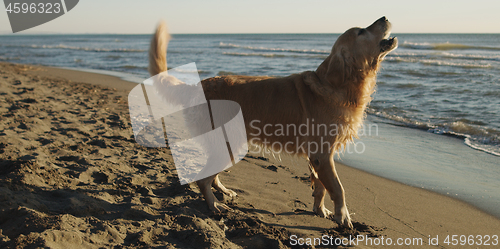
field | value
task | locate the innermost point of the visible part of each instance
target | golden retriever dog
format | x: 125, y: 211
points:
x: 334, y: 95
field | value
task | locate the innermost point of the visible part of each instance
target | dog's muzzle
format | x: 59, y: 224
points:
x: 388, y: 44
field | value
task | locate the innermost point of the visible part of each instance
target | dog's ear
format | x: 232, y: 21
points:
x: 336, y: 68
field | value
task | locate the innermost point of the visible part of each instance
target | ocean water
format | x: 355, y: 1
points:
x: 443, y: 89
x: 448, y: 84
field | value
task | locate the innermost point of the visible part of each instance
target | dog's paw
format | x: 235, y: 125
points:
x: 322, y: 212
x: 343, y: 218
x: 230, y: 193
x: 343, y: 221
x: 219, y: 207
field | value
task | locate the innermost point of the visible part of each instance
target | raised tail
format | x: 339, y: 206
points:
x: 158, y: 50
x: 168, y: 87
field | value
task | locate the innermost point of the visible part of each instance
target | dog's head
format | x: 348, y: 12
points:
x: 357, y: 53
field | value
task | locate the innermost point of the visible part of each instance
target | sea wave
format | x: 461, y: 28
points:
x: 440, y: 62
x: 442, y: 54
x: 277, y: 55
x: 133, y: 67
x: 307, y: 51
x: 471, y: 56
x: 224, y: 73
x: 2, y: 58
x: 254, y: 54
x: 455, y: 64
x: 474, y: 136
x: 114, y: 57
x: 188, y: 71
x: 62, y: 46
x: 408, y: 85
x: 444, y: 46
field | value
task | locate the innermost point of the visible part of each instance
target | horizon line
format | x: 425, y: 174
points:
x: 263, y: 33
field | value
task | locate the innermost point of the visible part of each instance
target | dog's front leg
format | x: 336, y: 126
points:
x: 325, y: 168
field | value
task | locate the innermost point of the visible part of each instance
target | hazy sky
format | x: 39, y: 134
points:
x: 270, y: 16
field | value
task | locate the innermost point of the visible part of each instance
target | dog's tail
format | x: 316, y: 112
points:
x: 168, y: 87
x: 158, y: 50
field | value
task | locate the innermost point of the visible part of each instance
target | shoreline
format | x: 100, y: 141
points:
x: 442, y: 164
x: 67, y: 125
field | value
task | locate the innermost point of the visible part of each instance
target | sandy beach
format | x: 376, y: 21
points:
x: 72, y: 176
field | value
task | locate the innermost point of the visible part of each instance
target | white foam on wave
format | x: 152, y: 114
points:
x: 62, y: 46
x: 494, y: 150
x: 271, y: 55
x: 475, y: 137
x: 447, y: 54
x: 311, y: 51
x: 440, y: 62
x: 424, y: 160
x: 455, y: 64
x: 471, y: 56
x: 254, y: 54
x: 444, y: 46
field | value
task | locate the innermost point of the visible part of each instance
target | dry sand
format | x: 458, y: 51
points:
x: 72, y: 176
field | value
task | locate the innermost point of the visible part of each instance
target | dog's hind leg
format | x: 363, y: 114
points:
x: 218, y: 185
x: 214, y: 204
x: 215, y: 164
x: 319, y: 198
x: 324, y: 166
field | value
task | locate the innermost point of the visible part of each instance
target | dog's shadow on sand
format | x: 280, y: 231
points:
x: 359, y: 228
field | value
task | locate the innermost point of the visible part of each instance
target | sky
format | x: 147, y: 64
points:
x: 270, y: 16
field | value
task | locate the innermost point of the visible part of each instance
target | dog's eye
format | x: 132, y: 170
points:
x: 361, y: 31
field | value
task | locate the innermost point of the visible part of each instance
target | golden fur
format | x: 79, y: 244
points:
x: 336, y: 93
